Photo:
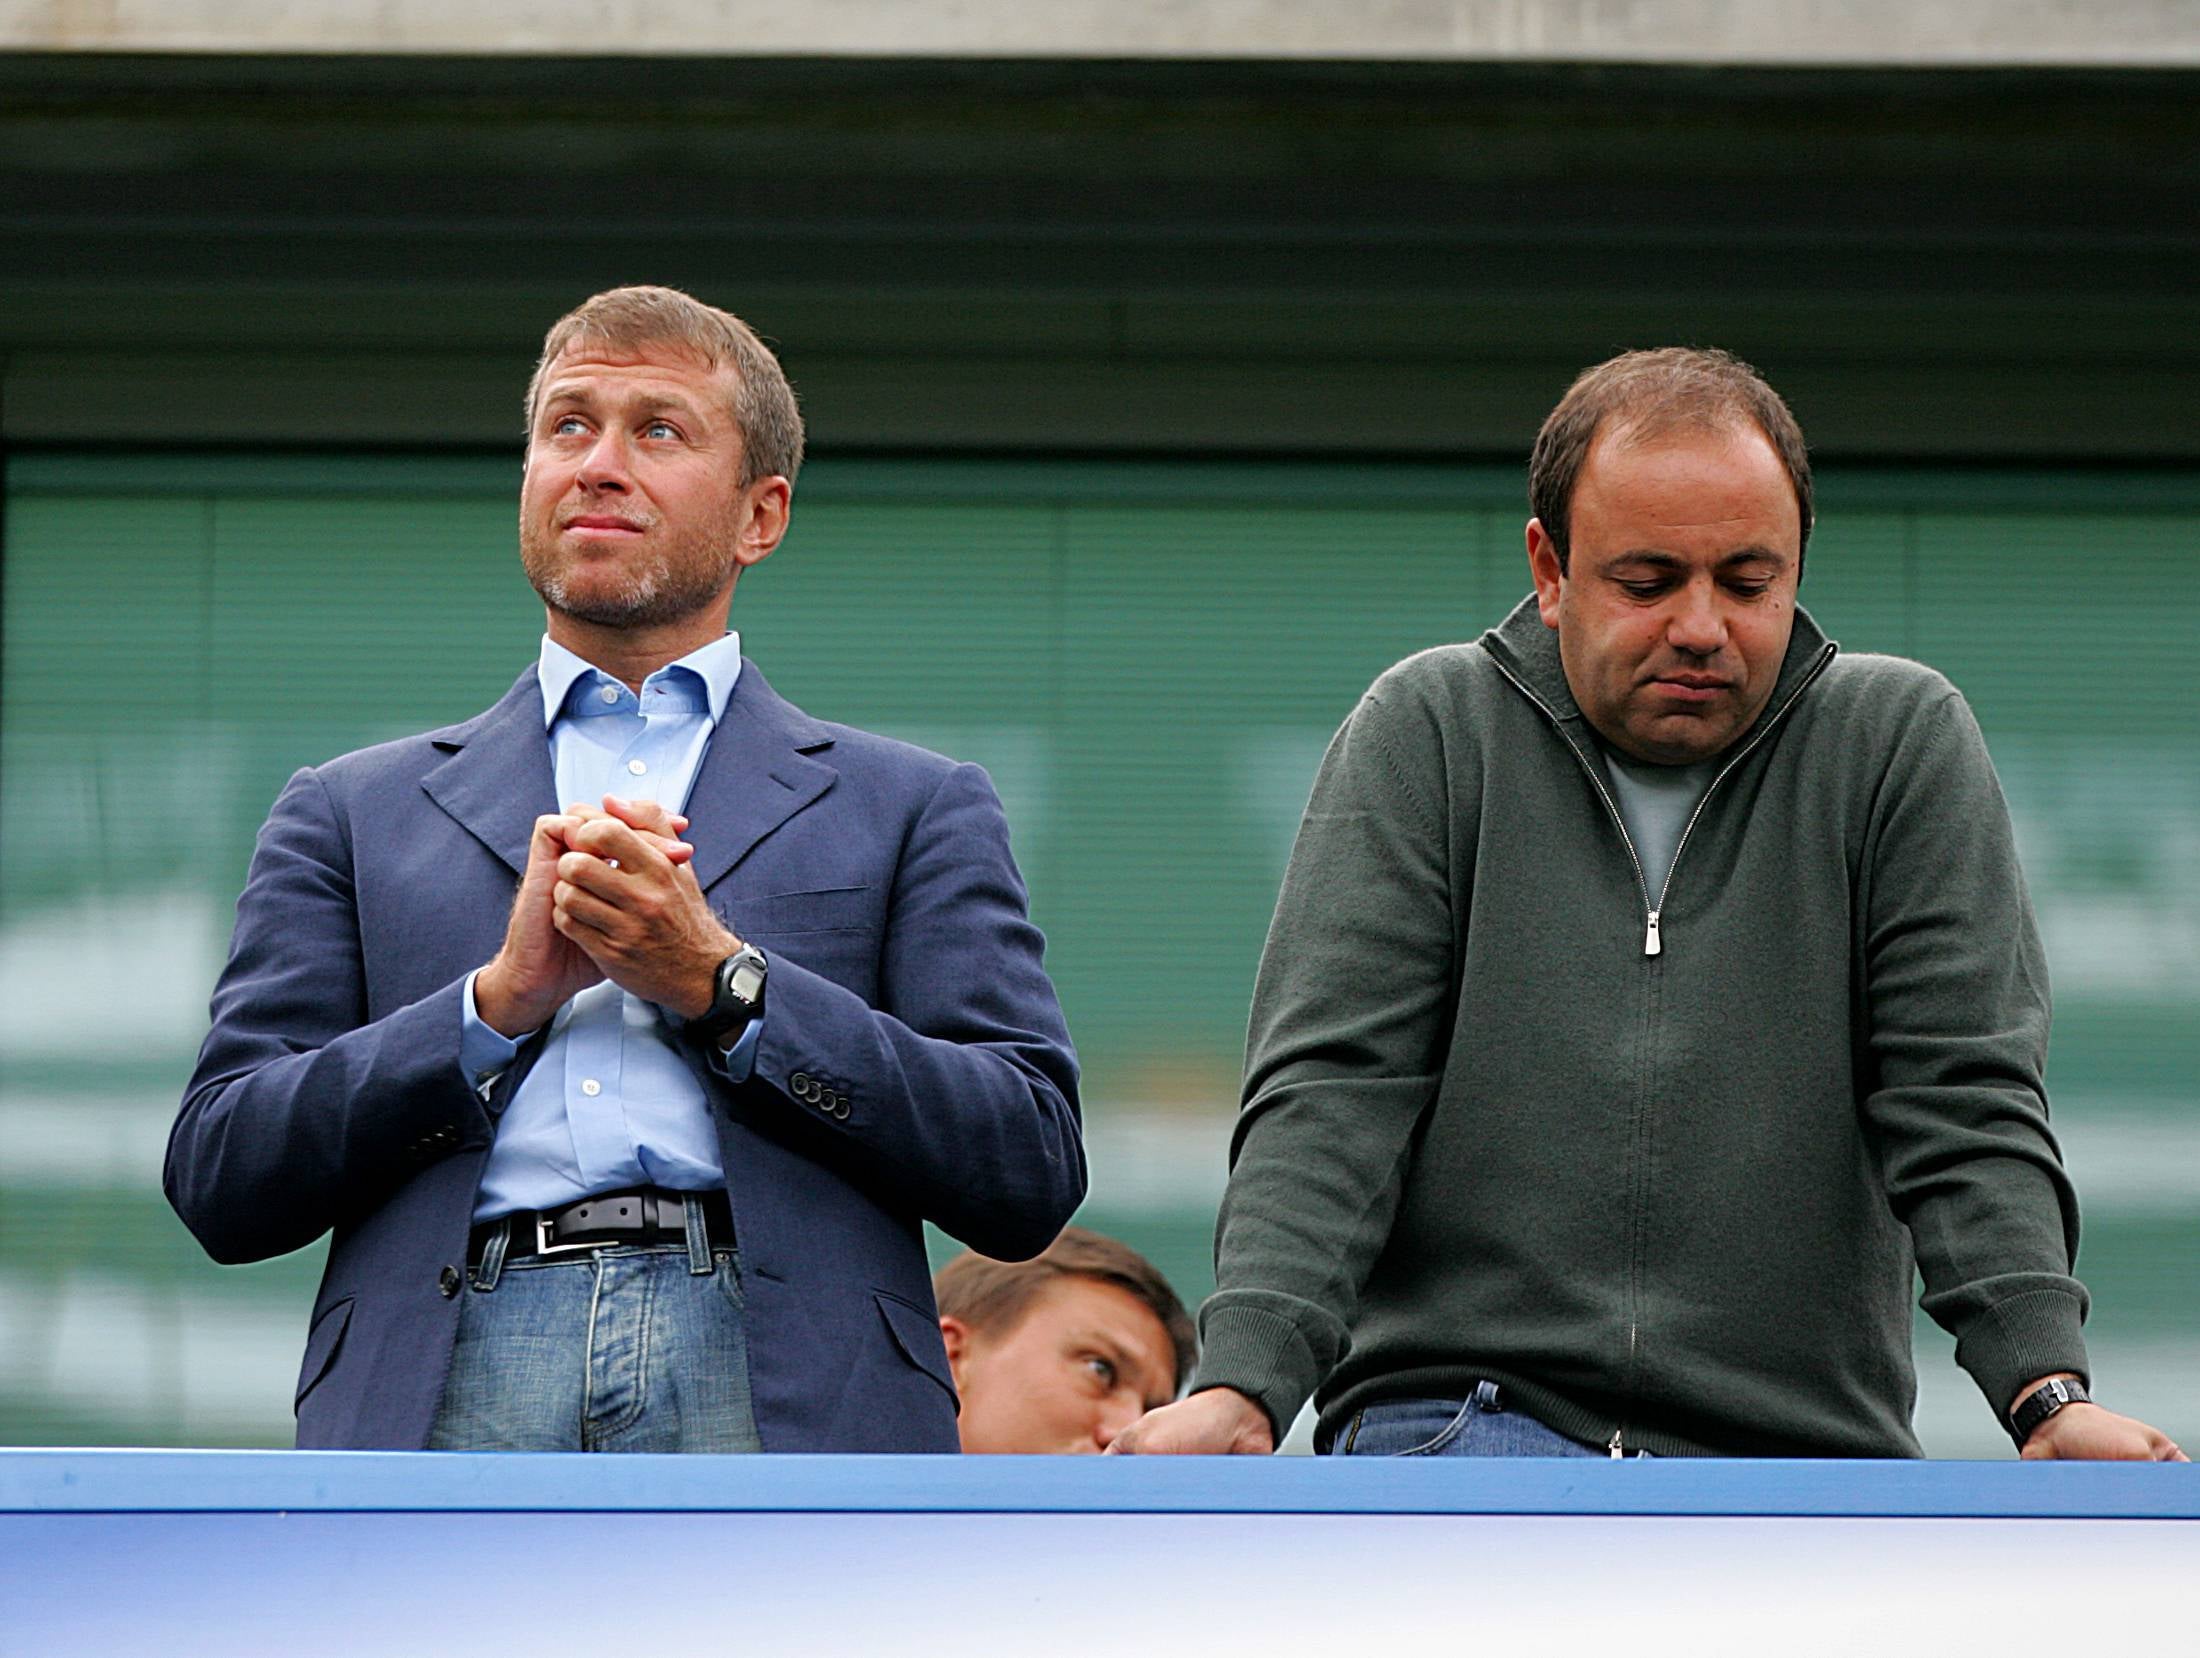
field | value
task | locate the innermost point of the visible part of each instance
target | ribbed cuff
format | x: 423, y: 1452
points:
x: 1259, y: 1352
x: 2022, y: 1339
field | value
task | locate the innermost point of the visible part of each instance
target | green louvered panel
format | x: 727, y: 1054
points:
x: 1856, y: 581
x: 104, y: 664
x: 1213, y: 652
x: 1147, y: 658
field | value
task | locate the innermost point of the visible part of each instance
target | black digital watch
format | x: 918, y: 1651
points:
x: 737, y: 998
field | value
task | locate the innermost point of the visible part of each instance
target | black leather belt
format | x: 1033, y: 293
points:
x: 639, y: 1215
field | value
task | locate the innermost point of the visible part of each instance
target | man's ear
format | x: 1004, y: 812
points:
x: 1550, y: 581
x: 767, y: 504
x: 956, y: 1335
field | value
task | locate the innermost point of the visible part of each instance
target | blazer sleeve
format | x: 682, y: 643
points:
x: 960, y: 1086
x: 302, y: 1110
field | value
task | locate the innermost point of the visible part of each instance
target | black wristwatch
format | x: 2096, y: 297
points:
x: 2041, y: 1403
x: 737, y: 998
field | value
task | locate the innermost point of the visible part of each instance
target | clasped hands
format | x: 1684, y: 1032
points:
x: 608, y: 893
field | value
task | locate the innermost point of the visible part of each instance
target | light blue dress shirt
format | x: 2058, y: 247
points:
x: 612, y: 1102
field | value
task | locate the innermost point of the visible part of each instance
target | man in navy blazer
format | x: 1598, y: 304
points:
x: 787, y: 1019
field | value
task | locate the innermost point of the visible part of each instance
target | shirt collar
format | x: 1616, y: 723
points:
x: 558, y: 671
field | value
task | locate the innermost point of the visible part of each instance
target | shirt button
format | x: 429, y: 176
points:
x: 591, y: 1087
x: 637, y: 767
x: 610, y: 693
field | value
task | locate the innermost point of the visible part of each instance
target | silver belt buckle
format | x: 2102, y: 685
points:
x: 543, y: 1245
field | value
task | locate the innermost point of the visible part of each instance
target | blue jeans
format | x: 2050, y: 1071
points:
x: 627, y: 1348
x: 1480, y: 1426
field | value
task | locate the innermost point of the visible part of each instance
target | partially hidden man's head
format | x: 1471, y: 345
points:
x: 1059, y: 1354
x: 1672, y: 500
x: 662, y: 445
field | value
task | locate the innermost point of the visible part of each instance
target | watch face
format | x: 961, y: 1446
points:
x: 746, y: 979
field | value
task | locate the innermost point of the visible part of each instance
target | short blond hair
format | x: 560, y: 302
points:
x: 634, y: 318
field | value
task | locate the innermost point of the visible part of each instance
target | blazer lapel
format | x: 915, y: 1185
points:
x: 756, y: 774
x: 498, y: 779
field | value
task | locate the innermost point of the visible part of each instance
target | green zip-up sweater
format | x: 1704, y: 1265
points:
x: 1657, y: 1163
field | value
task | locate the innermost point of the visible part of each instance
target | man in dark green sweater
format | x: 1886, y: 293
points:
x: 1651, y: 986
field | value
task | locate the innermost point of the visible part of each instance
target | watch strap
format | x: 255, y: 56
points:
x: 2042, y: 1402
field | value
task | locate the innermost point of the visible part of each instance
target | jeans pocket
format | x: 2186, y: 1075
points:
x: 1406, y: 1428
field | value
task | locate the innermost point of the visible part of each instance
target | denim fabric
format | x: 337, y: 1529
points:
x: 1480, y: 1426
x: 626, y: 1349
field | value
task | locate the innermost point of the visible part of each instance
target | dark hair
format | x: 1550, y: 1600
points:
x: 992, y: 1295
x: 629, y: 319
x: 1649, y: 393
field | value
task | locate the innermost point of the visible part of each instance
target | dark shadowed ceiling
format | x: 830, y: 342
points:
x: 1117, y: 256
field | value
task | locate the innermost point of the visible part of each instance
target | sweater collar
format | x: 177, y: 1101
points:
x: 1528, y: 651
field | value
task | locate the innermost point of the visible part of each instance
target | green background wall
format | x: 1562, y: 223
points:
x: 1148, y: 657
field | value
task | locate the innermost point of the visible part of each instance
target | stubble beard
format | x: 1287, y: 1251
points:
x: 660, y: 585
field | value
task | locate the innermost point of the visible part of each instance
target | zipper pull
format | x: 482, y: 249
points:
x: 1651, y: 945
x: 1615, y: 1448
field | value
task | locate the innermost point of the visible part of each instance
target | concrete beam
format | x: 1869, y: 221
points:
x: 1901, y: 408
x: 2153, y: 34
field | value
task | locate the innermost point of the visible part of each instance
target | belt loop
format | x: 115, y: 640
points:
x: 699, y: 1263
x: 492, y: 1255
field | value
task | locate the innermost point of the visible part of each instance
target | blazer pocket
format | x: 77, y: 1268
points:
x: 917, y: 1334
x: 322, y: 1344
x: 822, y: 910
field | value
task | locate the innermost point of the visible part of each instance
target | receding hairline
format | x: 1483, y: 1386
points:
x: 596, y: 348
x: 1663, y: 426
x: 647, y: 320
x: 1653, y: 423
x: 1640, y: 396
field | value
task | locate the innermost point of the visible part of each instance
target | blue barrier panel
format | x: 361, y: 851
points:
x: 382, y: 1481
x: 185, y: 1553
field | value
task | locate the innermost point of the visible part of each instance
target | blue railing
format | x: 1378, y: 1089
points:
x: 153, y: 1482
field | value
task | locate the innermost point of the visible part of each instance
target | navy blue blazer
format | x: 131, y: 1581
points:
x: 905, y: 978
